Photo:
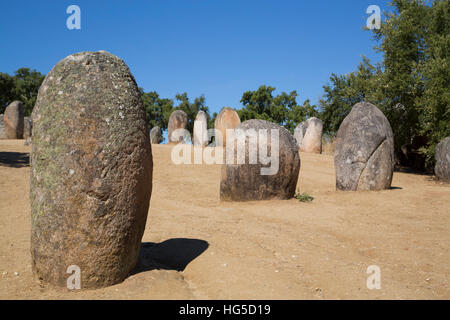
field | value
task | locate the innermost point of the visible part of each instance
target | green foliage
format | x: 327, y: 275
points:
x: 157, y: 109
x: 23, y: 86
x: 281, y: 109
x: 411, y: 85
x: 6, y: 91
x: 191, y: 108
x: 303, y: 197
x: 345, y: 91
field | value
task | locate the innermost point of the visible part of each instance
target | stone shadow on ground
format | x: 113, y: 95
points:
x: 172, y: 254
x: 14, y: 159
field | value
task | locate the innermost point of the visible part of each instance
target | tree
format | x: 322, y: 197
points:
x: 26, y: 86
x: 434, y: 104
x: 298, y: 114
x: 281, y: 109
x: 191, y: 109
x: 347, y: 90
x: 6, y: 91
x: 410, y: 85
x: 157, y: 109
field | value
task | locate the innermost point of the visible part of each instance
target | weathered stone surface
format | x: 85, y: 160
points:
x: 91, y: 176
x: 311, y: 140
x: 442, y: 154
x: 2, y: 128
x: 201, y: 137
x: 244, y: 182
x: 364, y: 154
x: 27, y: 128
x: 299, y: 133
x: 226, y: 119
x: 156, y: 135
x: 13, y: 120
x: 178, y: 120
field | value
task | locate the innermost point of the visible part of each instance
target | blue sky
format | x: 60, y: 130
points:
x: 219, y: 48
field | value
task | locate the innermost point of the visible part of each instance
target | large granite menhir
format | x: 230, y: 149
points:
x: 226, y: 119
x: 201, y: 136
x: 309, y: 135
x: 13, y: 120
x: 364, y: 154
x: 91, y: 176
x: 178, y: 120
x: 156, y: 135
x: 246, y: 182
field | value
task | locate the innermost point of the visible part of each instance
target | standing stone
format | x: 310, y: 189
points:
x: 178, y: 120
x: 442, y: 169
x: 364, y: 154
x: 226, y: 119
x: 27, y: 127
x: 299, y: 133
x: 245, y: 182
x: 2, y: 128
x: 13, y: 120
x: 27, y: 130
x: 201, y: 129
x: 91, y: 176
x: 312, y: 140
x: 156, y: 135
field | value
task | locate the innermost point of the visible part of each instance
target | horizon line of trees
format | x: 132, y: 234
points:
x: 411, y: 86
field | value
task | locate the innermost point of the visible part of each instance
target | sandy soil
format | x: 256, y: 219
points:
x: 255, y: 250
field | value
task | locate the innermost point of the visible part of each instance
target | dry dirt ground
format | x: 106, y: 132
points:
x: 255, y: 250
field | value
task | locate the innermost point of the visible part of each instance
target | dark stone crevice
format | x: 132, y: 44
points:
x: 368, y: 160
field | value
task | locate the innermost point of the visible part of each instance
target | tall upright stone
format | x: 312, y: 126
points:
x: 27, y: 127
x: 266, y: 166
x: 91, y: 176
x: 201, y: 137
x: 178, y: 120
x: 309, y: 135
x: 364, y: 154
x: 156, y: 135
x: 13, y: 120
x: 299, y: 133
x: 312, y: 140
x: 226, y: 119
x: 442, y: 154
x: 2, y: 128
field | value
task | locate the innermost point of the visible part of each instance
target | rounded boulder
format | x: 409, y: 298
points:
x: 263, y: 164
x: 364, y: 153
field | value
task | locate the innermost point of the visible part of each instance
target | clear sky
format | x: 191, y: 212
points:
x: 219, y: 48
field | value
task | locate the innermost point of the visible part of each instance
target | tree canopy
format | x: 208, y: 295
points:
x: 281, y: 109
x: 23, y: 85
x: 410, y: 85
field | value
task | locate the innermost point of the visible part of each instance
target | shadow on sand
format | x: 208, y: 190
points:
x: 14, y: 159
x: 172, y: 254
